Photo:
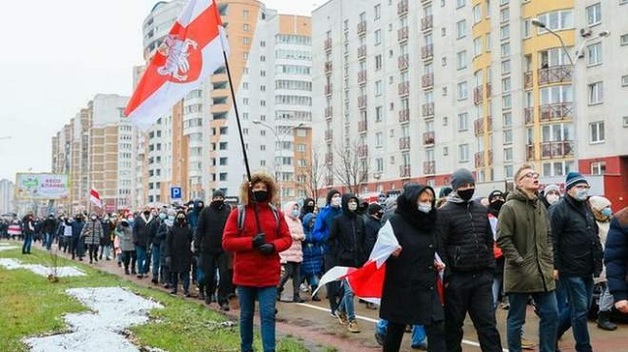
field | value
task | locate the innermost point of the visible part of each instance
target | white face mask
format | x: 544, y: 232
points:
x: 582, y: 194
x: 425, y: 207
x: 352, y: 206
x: 552, y: 198
x: 335, y: 202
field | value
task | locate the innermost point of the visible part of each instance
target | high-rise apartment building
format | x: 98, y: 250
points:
x: 417, y: 89
x: 7, y: 195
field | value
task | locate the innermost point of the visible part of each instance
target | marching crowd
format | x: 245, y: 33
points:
x: 507, y: 250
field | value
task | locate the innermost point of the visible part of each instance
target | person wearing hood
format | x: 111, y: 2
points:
x: 197, y: 206
x: 256, y: 241
x: 211, y: 256
x: 92, y: 233
x: 347, y: 237
x: 49, y: 227
x: 525, y: 239
x: 578, y: 255
x: 292, y: 257
x: 409, y: 296
x: 320, y: 234
x: 467, y: 243
x: 603, y: 213
x: 308, y: 207
x: 124, y: 233
x: 616, y: 259
x: 106, y: 241
x: 312, y: 265
x: 144, y: 228
x: 178, y: 252
x: 165, y: 278
x: 156, y: 243
x: 78, y: 248
x: 495, y: 201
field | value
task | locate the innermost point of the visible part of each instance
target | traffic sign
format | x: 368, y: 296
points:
x: 175, y: 193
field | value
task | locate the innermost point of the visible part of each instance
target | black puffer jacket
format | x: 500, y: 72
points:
x: 211, y: 224
x: 348, y: 236
x: 577, y: 247
x: 465, y: 235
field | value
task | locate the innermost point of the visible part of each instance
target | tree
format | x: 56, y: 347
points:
x: 351, y: 167
x: 314, y: 174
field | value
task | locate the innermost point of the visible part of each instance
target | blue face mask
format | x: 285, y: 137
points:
x: 171, y: 218
x: 162, y: 216
x: 607, y: 211
x: 295, y: 213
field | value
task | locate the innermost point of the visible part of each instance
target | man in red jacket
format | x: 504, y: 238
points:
x: 256, y: 246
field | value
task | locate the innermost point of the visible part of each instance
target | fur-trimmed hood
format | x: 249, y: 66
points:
x: 255, y: 178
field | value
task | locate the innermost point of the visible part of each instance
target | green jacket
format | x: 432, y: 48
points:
x: 524, y: 235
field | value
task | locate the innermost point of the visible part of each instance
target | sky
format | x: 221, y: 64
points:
x: 57, y: 55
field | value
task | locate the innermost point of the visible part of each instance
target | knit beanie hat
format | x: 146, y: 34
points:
x: 218, y: 193
x: 496, y: 193
x: 374, y: 208
x: 551, y: 188
x: 460, y: 177
x: 574, y: 178
x: 598, y: 202
x: 444, y: 192
x: 330, y: 194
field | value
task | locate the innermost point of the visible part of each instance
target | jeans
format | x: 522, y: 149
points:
x: 185, y: 278
x: 48, y: 240
x: 155, y: 254
x: 106, y: 251
x: 267, y: 297
x: 548, y: 312
x: 28, y: 241
x: 346, y: 302
x: 579, y: 295
x: 498, y: 280
x: 564, y: 312
x: 141, y: 259
x: 418, y: 332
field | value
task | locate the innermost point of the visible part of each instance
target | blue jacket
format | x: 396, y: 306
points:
x: 616, y: 256
x: 324, y: 220
x: 77, y: 227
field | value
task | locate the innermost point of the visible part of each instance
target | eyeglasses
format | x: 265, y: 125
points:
x: 530, y: 175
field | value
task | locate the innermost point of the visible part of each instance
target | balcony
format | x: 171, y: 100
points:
x: 489, y: 90
x: 528, y: 80
x: 404, y: 171
x: 556, y: 112
x: 478, y: 126
x: 403, y: 62
x: 530, y: 152
x: 327, y: 44
x: 329, y: 135
x: 362, y: 102
x: 404, y: 115
x: 363, y: 151
x: 362, y: 52
x: 559, y: 149
x: 404, y: 143
x: 478, y: 94
x: 329, y: 111
x: 429, y: 137
x: 402, y: 8
x: 555, y: 74
x: 427, y: 51
x: 429, y: 167
x: 528, y: 113
x: 427, y: 23
x: 427, y: 81
x: 404, y: 88
x: 329, y: 158
x: 402, y: 34
x: 328, y: 67
x: 362, y: 77
x: 427, y: 110
x: 479, y: 160
x: 362, y: 126
x: 328, y: 89
x: 362, y: 28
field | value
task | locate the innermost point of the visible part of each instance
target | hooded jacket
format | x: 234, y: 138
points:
x: 195, y: 213
x: 324, y: 220
x: 305, y: 209
x: 524, y: 236
x: 92, y: 232
x: 211, y: 224
x: 616, y: 256
x: 294, y: 254
x: 144, y: 228
x: 347, y: 236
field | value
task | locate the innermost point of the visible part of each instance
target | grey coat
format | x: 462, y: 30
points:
x: 126, y: 237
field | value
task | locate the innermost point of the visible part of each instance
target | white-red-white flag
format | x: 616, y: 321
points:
x: 190, y: 53
x: 94, y: 197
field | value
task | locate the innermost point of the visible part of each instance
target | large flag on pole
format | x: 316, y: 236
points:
x: 191, y: 52
x: 94, y: 197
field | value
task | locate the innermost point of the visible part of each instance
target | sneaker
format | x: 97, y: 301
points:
x: 333, y: 315
x: 527, y: 344
x: 315, y: 298
x: 342, y: 318
x: 173, y: 293
x: 154, y: 281
x: 186, y: 294
x: 380, y: 339
x: 353, y: 326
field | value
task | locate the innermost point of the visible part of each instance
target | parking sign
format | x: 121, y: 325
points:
x: 175, y: 193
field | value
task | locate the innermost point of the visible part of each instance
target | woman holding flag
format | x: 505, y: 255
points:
x: 411, y: 294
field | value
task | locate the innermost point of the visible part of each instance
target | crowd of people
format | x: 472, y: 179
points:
x: 508, y: 250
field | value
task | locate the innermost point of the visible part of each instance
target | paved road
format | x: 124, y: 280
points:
x: 312, y: 322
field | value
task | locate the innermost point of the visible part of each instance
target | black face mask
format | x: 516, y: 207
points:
x: 125, y: 224
x: 260, y: 196
x: 181, y: 220
x: 466, y: 194
x: 217, y: 203
x: 496, y: 205
x: 147, y: 213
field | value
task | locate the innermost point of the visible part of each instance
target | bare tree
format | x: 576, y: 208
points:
x: 351, y: 167
x: 314, y: 174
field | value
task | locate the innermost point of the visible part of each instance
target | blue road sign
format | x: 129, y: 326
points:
x: 175, y: 193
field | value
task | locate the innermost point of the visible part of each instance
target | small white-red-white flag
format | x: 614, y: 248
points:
x: 191, y: 52
x: 94, y: 197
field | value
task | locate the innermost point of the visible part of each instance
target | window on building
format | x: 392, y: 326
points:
x: 377, y: 11
x: 463, y: 90
x: 508, y: 136
x: 378, y: 37
x: 379, y: 140
x: 378, y: 88
x: 594, y: 54
x: 246, y: 27
x: 504, y: 32
x: 504, y: 15
x: 506, y: 85
x: 463, y: 153
x: 378, y: 62
x: 527, y: 28
x: 508, y: 155
x: 597, y: 132
x: 596, y: 93
x: 477, y: 13
x: 505, y: 49
x: 378, y: 113
x: 245, y: 14
x: 624, y: 81
x: 461, y: 29
x: 594, y: 14
x: 461, y: 60
x: 598, y: 168
x: 623, y: 40
x: 477, y: 46
x: 379, y: 164
x: 460, y: 3
x: 556, y: 20
x: 463, y: 122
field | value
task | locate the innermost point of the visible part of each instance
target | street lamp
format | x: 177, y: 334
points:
x: 279, y: 139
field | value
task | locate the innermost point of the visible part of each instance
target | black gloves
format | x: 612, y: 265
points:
x: 259, y: 240
x: 266, y: 248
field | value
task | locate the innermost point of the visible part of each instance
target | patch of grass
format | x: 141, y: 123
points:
x: 32, y: 306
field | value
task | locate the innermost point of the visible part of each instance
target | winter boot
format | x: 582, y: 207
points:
x: 604, y: 322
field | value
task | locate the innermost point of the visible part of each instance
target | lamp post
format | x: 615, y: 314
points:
x: 579, y: 53
x: 279, y: 139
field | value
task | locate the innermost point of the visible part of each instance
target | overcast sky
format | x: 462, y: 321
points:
x: 56, y: 55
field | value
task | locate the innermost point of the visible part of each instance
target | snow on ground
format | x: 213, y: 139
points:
x: 6, y: 247
x: 113, y: 310
x: 62, y: 271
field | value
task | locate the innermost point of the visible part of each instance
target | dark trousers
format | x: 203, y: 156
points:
x: 93, y: 252
x: 129, y: 256
x: 292, y: 271
x: 435, y: 336
x: 471, y: 292
x: 220, y: 262
x: 333, y: 288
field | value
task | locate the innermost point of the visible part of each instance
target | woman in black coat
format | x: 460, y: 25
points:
x: 179, y: 253
x: 410, y: 296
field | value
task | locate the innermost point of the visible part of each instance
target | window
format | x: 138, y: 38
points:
x: 506, y: 102
x: 596, y: 93
x: 556, y: 94
x: 508, y: 155
x: 526, y: 28
x: 556, y: 21
x: 623, y: 40
x: 477, y: 46
x: 597, y: 132
x: 379, y: 140
x: 504, y: 15
x: 379, y: 164
x: 463, y: 153
x: 625, y: 118
x: 505, y: 49
x: 246, y: 40
x: 560, y: 168
x: 594, y: 54
x: 594, y: 14
x: 463, y: 122
x: 245, y: 14
x: 505, y: 67
x: 246, y: 27
x: 477, y: 13
x: 461, y: 29
x: 378, y: 37
x: 223, y: 176
x: 463, y: 91
x: 598, y: 168
x: 507, y: 136
x: 507, y: 119
x: 504, y: 32
x: 378, y: 114
x: 624, y: 81
x: 378, y: 88
x: 508, y: 171
x: 461, y: 60
x: 460, y: 3
x: 506, y: 85
x: 378, y: 62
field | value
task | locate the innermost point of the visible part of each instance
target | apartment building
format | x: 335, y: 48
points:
x: 7, y: 196
x: 422, y: 88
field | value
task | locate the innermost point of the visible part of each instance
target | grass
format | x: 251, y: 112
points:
x: 32, y: 306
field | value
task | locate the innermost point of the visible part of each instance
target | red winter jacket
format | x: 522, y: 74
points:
x: 251, y: 268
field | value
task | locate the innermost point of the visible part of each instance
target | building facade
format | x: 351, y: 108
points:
x: 7, y: 196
